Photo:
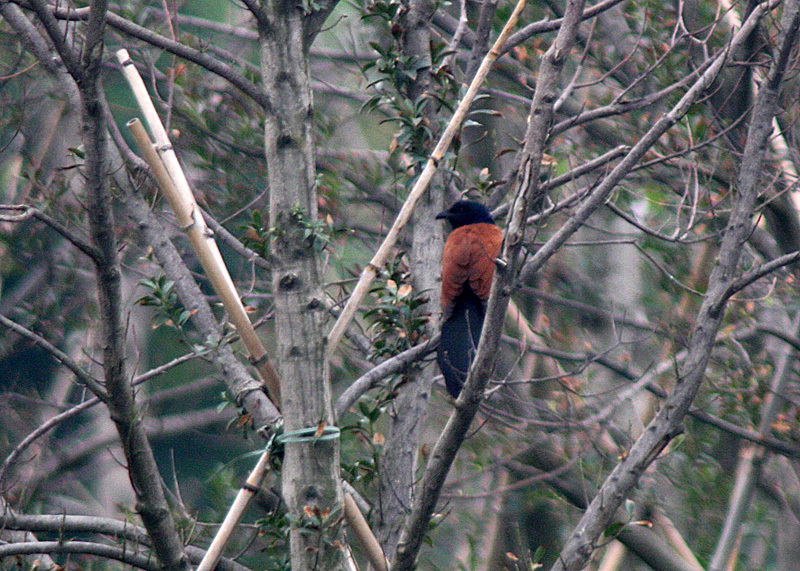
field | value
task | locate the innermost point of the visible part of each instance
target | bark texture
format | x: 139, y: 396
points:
x: 311, y: 485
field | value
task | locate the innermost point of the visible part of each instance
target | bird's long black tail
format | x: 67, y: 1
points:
x: 460, y: 335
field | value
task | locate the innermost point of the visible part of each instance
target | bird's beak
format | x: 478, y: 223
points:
x: 443, y: 215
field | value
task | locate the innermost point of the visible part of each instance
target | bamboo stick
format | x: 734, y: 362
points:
x: 177, y: 190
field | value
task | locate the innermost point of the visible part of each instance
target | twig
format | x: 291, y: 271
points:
x: 551, y: 25
x: 204, y: 60
x: 455, y: 41
x: 84, y: 377
x: 759, y: 272
x: 230, y: 240
x: 76, y: 410
x: 26, y: 212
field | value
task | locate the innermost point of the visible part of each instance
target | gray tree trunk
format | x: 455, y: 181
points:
x: 311, y: 484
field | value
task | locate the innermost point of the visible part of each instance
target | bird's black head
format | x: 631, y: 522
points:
x: 466, y: 212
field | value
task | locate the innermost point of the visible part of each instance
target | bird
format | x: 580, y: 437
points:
x: 468, y: 263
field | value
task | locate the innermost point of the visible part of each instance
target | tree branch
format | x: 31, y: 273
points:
x: 759, y: 272
x: 59, y: 419
x: 26, y: 212
x: 84, y: 377
x: 118, y: 530
x: 142, y: 468
x: 206, y: 61
x: 389, y: 367
x: 667, y: 422
x: 121, y: 554
x: 53, y: 29
x: 531, y: 30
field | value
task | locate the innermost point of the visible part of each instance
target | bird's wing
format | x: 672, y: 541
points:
x: 469, y: 255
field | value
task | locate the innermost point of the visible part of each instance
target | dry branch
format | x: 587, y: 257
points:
x: 667, y: 423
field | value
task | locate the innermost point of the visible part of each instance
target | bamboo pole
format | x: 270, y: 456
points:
x: 246, y: 493
x: 177, y: 190
x: 361, y: 528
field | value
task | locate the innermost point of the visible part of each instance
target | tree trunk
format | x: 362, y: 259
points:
x: 311, y: 486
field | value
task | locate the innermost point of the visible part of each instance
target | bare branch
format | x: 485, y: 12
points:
x: 667, y: 423
x: 26, y: 212
x: 56, y: 35
x: 759, y: 272
x: 121, y: 554
x: 60, y: 418
x: 389, y: 367
x: 83, y: 376
x: 119, y: 530
x: 551, y: 25
x: 202, y: 59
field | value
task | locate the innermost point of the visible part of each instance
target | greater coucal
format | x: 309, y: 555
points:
x: 467, y: 271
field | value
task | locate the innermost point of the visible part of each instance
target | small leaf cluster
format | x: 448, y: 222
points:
x: 316, y: 232
x: 322, y: 524
x: 275, y: 530
x: 298, y: 227
x: 164, y: 299
x: 255, y: 234
x: 394, y: 73
x: 370, y: 409
x: 396, y: 324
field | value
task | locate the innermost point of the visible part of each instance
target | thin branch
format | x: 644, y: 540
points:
x: 119, y: 530
x: 121, y: 554
x: 482, y: 35
x: 769, y: 442
x: 667, y: 423
x: 255, y: 9
x: 31, y: 212
x: 587, y: 309
x: 620, y: 106
x: 198, y: 57
x: 551, y: 25
x: 759, y: 272
x: 91, y: 383
x: 54, y: 31
x: 388, y: 367
x: 60, y: 418
x: 607, y: 185
x: 233, y: 243
x: 455, y: 41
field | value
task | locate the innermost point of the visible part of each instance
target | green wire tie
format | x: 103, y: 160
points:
x: 308, y: 434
